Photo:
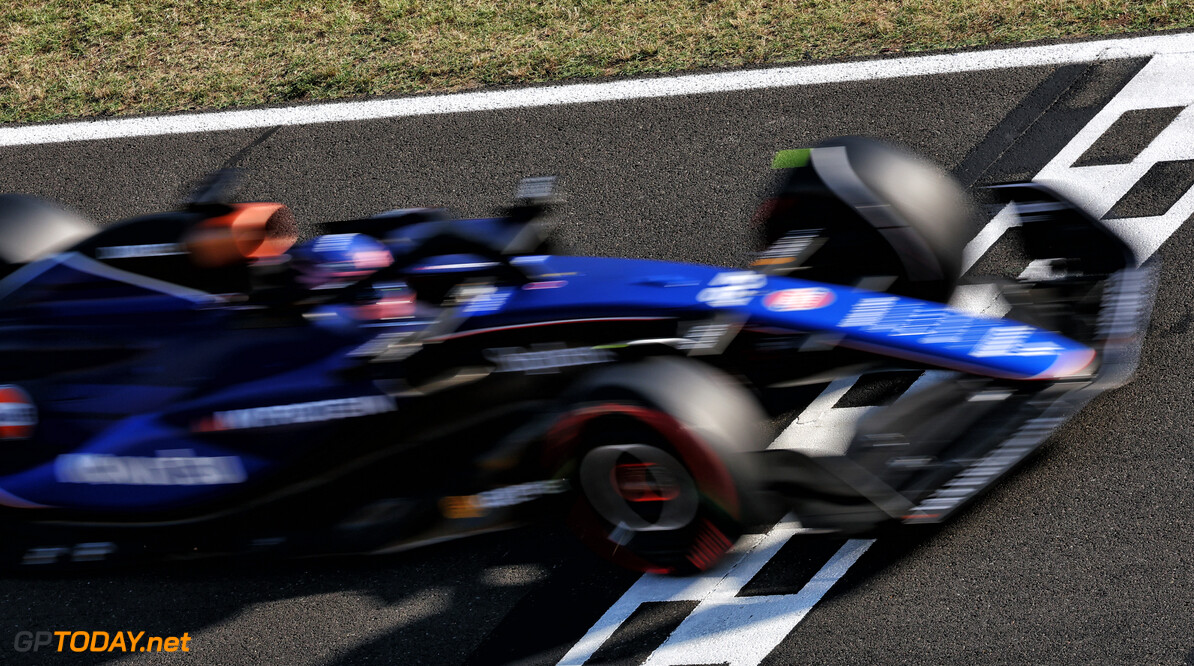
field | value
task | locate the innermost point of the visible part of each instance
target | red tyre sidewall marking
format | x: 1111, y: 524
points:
x: 712, y: 478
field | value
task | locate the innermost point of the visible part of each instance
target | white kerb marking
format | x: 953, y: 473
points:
x: 669, y: 86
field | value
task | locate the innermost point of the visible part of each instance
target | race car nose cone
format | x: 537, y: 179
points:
x: 1069, y: 364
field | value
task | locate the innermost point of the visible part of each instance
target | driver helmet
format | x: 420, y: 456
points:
x: 338, y: 259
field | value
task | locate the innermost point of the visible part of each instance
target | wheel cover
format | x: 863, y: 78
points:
x: 710, y: 474
x: 639, y: 488
x: 657, y: 509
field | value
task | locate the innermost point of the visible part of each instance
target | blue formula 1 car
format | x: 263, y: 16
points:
x: 196, y: 382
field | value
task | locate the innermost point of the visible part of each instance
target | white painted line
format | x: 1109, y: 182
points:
x: 927, y: 379
x: 722, y: 621
x: 817, y: 408
x: 986, y: 237
x: 744, y: 561
x: 743, y: 631
x: 690, y: 84
x: 1164, y: 82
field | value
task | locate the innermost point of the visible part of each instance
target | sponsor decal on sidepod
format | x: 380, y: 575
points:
x: 168, y: 468
x: 549, y: 360
x: 299, y: 412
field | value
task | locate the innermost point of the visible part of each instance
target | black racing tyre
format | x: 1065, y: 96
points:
x: 859, y: 212
x: 658, y: 454
x: 31, y: 228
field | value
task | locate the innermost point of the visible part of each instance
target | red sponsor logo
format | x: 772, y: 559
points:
x: 808, y: 298
x: 17, y: 413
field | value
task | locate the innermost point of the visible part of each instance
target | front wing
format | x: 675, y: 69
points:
x: 928, y: 454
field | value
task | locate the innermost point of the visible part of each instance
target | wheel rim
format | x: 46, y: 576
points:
x: 639, y: 488
x: 666, y: 506
x: 710, y: 475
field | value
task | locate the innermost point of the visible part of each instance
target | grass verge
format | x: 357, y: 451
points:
x: 76, y: 58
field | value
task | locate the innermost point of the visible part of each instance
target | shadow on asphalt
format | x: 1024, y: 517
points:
x: 444, y: 604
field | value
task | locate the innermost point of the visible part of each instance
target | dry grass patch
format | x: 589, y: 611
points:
x: 70, y: 58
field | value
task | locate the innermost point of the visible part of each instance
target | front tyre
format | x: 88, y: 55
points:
x: 656, y: 492
x: 858, y: 212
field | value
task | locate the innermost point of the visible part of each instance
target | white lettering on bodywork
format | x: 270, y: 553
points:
x: 302, y: 412
x: 542, y: 361
x: 167, y: 468
x: 732, y: 289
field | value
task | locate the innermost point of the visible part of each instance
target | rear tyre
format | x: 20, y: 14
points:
x: 31, y: 228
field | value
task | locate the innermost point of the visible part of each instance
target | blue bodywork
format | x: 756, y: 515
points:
x: 180, y: 398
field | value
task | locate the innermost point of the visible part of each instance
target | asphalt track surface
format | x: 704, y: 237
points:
x: 1082, y: 556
